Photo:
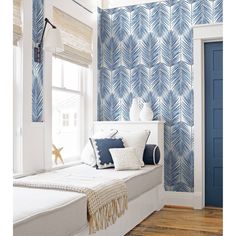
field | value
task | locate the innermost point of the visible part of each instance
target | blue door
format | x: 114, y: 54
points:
x: 214, y: 124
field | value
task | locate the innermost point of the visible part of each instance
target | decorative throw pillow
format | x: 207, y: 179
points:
x: 151, y: 155
x: 125, y: 158
x: 101, y: 150
x: 137, y: 140
x: 87, y: 155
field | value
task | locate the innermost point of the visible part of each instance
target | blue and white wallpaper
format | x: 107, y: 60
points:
x: 147, y: 51
x: 37, y: 68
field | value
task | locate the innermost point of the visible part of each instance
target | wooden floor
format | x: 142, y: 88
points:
x: 181, y: 222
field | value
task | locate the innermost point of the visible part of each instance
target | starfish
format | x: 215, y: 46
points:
x: 57, y: 153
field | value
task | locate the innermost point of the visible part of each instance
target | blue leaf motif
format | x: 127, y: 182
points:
x: 139, y: 21
x: 37, y: 71
x: 155, y: 105
x: 218, y: 11
x: 37, y: 68
x: 172, y: 170
x: 170, y: 48
x: 191, y: 1
x: 150, y: 5
x: 167, y: 138
x: 181, y: 17
x: 181, y: 187
x: 139, y: 81
x: 37, y: 101
x: 105, y: 82
x: 111, y: 108
x: 112, y: 55
x: 187, y: 105
x: 120, y: 81
x: 150, y: 50
x: 202, y: 12
x: 131, y: 51
x: 187, y: 170
x: 38, y: 20
x: 181, y: 139
x: 99, y: 57
x: 170, y: 108
x: 181, y: 77
x: 187, y: 47
x: 105, y: 25
x: 170, y: 3
x: 160, y: 79
x: 121, y: 24
x: 160, y: 20
x: 125, y: 105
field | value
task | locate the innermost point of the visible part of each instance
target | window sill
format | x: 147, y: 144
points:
x: 72, y: 163
x: 21, y: 175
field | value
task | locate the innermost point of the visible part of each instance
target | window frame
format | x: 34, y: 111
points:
x: 81, y: 93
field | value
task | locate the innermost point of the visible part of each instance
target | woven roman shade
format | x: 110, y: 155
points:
x: 76, y: 37
x: 17, y: 21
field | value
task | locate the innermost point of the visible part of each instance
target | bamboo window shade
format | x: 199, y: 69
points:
x: 17, y: 21
x: 76, y: 37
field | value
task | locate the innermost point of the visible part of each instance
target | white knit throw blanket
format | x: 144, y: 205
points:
x: 107, y: 199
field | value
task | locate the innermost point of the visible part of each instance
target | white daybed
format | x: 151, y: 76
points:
x: 59, y: 213
x: 43, y: 212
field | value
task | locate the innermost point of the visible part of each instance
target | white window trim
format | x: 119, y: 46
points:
x: 201, y: 34
x: 17, y: 106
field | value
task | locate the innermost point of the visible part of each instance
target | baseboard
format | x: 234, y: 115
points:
x: 184, y: 199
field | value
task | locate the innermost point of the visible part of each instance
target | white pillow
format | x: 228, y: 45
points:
x: 137, y: 140
x: 125, y: 158
x: 87, y: 155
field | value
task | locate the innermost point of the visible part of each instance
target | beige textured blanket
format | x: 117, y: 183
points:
x: 107, y: 199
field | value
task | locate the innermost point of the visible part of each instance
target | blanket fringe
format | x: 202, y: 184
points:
x: 107, y: 214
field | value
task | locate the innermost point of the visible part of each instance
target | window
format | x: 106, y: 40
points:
x: 67, y: 107
x: 65, y: 117
x: 17, y: 108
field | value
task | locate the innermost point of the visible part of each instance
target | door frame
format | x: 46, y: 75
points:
x: 201, y: 35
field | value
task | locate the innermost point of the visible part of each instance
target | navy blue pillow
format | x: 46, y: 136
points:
x: 151, y: 154
x: 101, y: 150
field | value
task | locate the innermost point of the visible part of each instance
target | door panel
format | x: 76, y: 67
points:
x: 214, y: 124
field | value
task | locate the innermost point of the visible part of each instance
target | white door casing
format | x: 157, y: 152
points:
x: 201, y: 34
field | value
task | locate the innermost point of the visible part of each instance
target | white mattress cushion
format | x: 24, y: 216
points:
x: 138, y: 181
x: 47, y: 212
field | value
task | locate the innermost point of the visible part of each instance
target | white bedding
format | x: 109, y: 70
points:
x: 138, y: 181
x: 40, y: 212
x: 43, y: 212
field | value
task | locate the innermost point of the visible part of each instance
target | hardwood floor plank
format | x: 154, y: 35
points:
x: 181, y: 221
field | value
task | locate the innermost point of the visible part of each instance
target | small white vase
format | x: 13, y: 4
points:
x: 134, y: 112
x: 146, y: 113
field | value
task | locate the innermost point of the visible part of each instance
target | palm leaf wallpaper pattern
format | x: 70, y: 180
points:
x: 160, y: 20
x: 147, y: 50
x: 37, y: 68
